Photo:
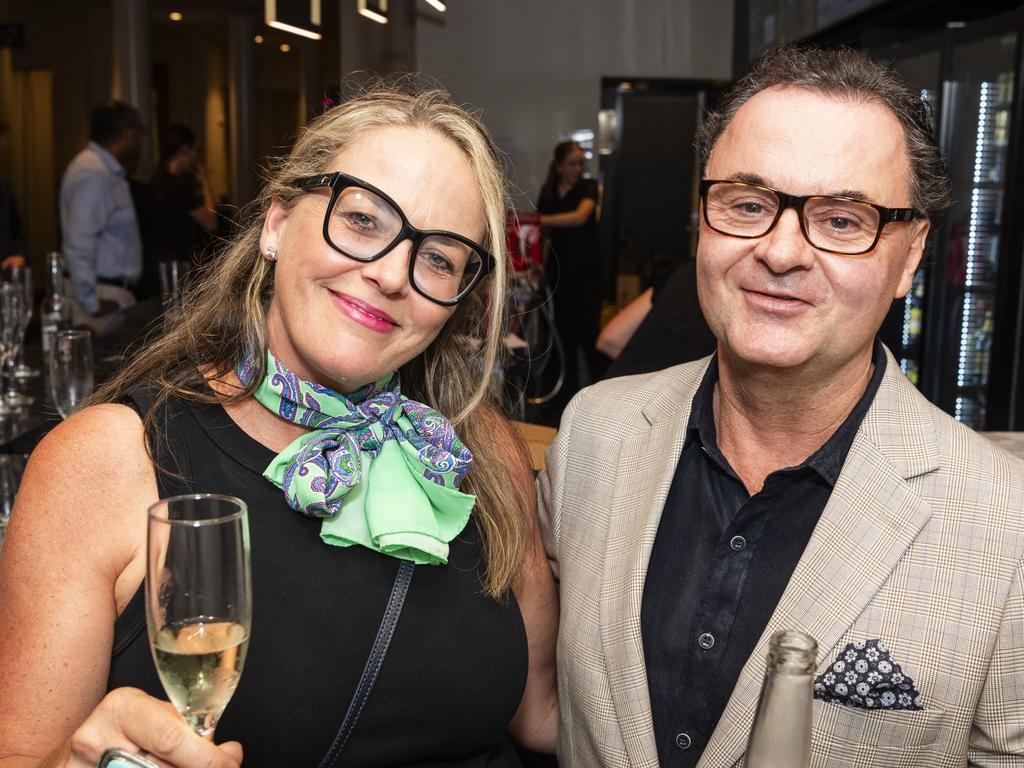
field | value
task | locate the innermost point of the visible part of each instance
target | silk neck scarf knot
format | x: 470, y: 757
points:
x: 381, y: 470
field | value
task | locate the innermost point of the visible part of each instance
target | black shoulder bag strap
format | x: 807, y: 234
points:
x: 374, y: 662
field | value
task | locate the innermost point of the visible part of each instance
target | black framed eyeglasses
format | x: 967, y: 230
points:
x: 365, y: 224
x: 840, y: 225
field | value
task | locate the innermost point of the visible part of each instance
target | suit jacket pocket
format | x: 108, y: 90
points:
x: 897, y: 728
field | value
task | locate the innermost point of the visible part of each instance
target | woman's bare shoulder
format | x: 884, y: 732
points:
x: 73, y: 557
x: 86, y: 487
x: 100, y: 446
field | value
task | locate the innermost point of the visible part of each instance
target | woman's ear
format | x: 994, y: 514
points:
x: 273, y: 226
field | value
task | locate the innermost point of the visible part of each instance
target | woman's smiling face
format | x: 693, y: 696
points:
x: 343, y: 323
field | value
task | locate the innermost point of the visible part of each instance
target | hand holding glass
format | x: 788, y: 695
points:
x: 71, y: 370
x: 199, y: 602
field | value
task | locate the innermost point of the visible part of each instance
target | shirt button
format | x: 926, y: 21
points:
x: 738, y: 543
x: 683, y: 741
x: 706, y: 641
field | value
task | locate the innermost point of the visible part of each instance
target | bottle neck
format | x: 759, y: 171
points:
x: 781, y: 734
x: 56, y: 278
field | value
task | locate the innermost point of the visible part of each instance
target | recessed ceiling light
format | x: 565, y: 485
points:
x: 310, y: 23
x: 175, y: 16
x: 258, y: 39
x: 285, y: 47
x: 437, y: 5
x: 376, y: 10
x: 294, y: 30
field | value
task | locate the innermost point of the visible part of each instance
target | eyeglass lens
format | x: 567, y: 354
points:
x: 364, y: 225
x: 832, y: 224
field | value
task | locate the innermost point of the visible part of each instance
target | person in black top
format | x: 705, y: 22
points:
x: 568, y: 213
x: 663, y: 326
x: 183, y: 204
x: 12, y: 240
x: 360, y: 308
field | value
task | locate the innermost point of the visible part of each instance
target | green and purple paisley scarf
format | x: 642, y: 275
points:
x: 382, y: 471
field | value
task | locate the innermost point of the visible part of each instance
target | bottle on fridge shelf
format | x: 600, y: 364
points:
x: 781, y: 734
x: 55, y: 312
x: 983, y: 348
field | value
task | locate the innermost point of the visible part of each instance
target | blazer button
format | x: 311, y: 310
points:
x: 737, y: 543
x: 706, y: 641
x: 683, y: 741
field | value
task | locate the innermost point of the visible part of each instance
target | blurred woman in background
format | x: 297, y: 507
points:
x: 184, y: 209
x: 568, y: 207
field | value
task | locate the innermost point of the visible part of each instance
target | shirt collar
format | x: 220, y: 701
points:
x: 108, y: 159
x: 827, y: 461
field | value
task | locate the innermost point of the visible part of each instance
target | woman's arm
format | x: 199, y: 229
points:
x: 535, y: 725
x: 621, y: 328
x: 73, y: 558
x: 575, y: 218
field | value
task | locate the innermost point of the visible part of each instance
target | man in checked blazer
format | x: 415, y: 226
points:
x: 796, y: 479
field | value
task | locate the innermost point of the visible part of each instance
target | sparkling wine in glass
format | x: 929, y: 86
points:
x: 199, y: 602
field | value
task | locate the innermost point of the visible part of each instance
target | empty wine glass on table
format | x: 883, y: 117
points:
x: 71, y: 370
x: 11, y: 299
x: 23, y: 274
x: 199, y: 602
x: 21, y: 278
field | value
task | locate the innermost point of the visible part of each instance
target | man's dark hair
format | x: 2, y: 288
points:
x: 110, y: 119
x: 844, y: 73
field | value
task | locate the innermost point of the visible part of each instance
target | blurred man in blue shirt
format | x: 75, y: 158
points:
x: 102, y: 246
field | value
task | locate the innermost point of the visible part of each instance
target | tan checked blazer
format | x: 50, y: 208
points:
x: 920, y: 545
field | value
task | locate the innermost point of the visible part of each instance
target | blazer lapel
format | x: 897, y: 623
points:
x: 646, y: 466
x: 871, y: 518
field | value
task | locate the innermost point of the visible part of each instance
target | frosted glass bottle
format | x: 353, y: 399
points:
x: 781, y: 734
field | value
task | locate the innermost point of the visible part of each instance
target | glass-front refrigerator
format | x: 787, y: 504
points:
x: 903, y: 329
x: 957, y: 334
x: 977, y: 104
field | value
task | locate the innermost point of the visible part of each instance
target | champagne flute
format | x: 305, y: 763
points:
x: 21, y: 278
x: 11, y: 299
x: 23, y: 274
x: 71, y: 370
x: 199, y: 602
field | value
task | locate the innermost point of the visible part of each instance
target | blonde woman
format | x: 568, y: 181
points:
x: 376, y: 255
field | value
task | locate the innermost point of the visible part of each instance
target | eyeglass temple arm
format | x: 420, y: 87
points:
x: 901, y: 214
x: 312, y: 182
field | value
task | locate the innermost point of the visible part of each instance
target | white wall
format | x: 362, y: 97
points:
x: 534, y: 67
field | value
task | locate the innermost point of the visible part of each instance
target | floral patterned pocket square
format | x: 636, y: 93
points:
x: 864, y: 675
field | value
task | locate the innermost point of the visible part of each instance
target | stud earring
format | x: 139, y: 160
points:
x: 271, y: 254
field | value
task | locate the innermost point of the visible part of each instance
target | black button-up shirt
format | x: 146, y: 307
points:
x: 719, y: 565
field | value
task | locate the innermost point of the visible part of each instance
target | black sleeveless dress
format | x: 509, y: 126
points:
x: 456, y: 667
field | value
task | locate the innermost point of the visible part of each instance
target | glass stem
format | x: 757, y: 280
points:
x: 11, y: 392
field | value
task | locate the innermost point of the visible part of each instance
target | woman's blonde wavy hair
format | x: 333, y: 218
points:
x: 223, y: 315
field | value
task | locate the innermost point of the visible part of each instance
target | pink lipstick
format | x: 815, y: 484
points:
x: 365, y: 314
